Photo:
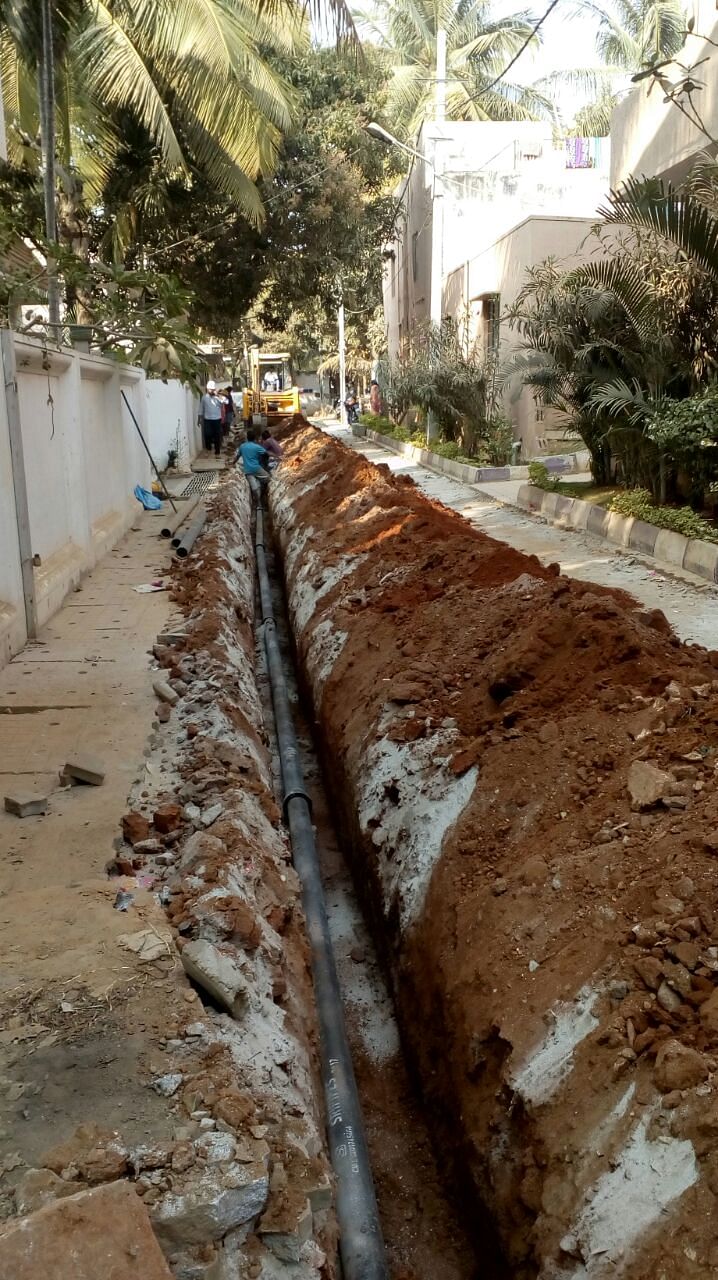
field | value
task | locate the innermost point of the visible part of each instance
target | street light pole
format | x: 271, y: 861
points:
x: 342, y: 362
x: 437, y: 213
x: 46, y: 87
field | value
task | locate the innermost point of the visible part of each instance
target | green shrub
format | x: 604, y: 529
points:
x: 539, y: 475
x: 638, y: 503
x: 377, y: 422
x: 446, y: 449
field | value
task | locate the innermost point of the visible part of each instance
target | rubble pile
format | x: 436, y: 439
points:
x: 237, y: 1185
x: 526, y: 769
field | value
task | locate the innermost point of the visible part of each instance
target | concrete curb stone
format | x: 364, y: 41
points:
x: 692, y: 554
x: 700, y: 558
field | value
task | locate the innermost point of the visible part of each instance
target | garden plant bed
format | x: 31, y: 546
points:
x: 524, y: 767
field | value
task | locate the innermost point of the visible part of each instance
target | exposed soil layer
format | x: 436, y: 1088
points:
x: 423, y: 1233
x: 525, y: 766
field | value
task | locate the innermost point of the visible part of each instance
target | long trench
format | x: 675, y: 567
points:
x: 425, y: 1234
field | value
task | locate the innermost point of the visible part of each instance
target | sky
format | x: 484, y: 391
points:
x: 568, y: 43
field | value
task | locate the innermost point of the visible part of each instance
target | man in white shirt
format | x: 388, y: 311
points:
x: 210, y: 413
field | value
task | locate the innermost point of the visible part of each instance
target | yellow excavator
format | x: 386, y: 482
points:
x: 270, y: 393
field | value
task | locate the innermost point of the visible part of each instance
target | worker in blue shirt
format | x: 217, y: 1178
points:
x: 254, y: 461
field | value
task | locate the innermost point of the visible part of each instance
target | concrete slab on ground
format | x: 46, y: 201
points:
x: 104, y: 1232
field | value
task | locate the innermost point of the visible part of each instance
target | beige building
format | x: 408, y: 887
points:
x: 652, y: 137
x: 509, y: 198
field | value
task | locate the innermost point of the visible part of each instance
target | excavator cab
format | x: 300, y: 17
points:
x: 270, y: 394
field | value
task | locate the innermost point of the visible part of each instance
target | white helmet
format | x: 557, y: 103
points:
x: 211, y: 386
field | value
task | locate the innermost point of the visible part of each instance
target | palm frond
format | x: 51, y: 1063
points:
x: 627, y: 284
x: 679, y: 218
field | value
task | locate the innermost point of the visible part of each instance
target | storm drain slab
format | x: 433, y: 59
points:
x: 201, y: 481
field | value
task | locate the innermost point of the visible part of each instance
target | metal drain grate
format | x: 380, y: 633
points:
x: 201, y: 481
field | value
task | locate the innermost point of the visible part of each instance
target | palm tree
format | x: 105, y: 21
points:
x: 478, y: 48
x: 194, y: 74
x: 630, y: 36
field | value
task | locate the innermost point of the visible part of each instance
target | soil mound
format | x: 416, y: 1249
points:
x: 525, y: 766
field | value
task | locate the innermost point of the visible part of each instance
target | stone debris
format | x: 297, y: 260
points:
x: 85, y: 768
x: 25, y: 805
x: 215, y: 1202
x: 165, y: 692
x: 135, y: 828
x: 210, y: 815
x: 647, y: 785
x: 218, y: 973
x: 103, y: 1232
x: 679, y: 1067
x: 166, y: 1086
x: 147, y: 944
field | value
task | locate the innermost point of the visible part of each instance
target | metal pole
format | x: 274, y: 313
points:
x: 342, y: 364
x: 149, y: 455
x: 47, y: 143
x: 19, y: 482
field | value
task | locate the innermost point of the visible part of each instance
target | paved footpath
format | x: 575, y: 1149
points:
x: 689, y: 603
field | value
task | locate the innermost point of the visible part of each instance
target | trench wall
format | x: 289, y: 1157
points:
x: 520, y: 773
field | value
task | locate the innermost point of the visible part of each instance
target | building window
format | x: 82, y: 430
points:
x: 539, y: 408
x: 415, y: 255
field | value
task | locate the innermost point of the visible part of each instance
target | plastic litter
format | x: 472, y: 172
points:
x: 148, y: 500
x: 123, y: 900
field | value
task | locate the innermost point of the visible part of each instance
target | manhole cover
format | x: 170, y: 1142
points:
x: 201, y: 481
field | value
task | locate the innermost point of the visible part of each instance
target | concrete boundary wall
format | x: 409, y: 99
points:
x: 690, y: 554
x: 559, y: 464
x: 83, y: 458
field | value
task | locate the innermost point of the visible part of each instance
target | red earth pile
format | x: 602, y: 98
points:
x: 577, y: 886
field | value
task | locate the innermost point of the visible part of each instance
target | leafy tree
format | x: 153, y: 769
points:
x: 195, y: 75
x: 479, y: 46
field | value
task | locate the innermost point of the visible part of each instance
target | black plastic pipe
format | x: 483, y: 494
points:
x: 191, y: 536
x: 360, y: 1240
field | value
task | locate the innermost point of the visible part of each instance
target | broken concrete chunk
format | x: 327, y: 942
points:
x: 166, y: 1086
x: 286, y: 1228
x: 218, y: 973
x: 85, y: 768
x: 147, y: 944
x: 25, y: 805
x: 647, y: 784
x: 102, y: 1232
x: 215, y: 1202
x: 165, y: 692
x: 201, y: 845
x: 211, y: 814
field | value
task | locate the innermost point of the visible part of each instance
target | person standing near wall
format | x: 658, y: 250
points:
x: 228, y: 420
x: 375, y: 403
x: 210, y: 412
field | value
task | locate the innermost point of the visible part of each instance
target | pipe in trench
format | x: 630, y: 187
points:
x: 191, y: 536
x: 360, y: 1240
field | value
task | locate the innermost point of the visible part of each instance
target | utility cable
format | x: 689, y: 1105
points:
x: 534, y: 31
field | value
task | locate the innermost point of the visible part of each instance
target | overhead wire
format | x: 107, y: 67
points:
x: 534, y: 31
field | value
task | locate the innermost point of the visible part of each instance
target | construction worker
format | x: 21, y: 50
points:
x: 210, y: 412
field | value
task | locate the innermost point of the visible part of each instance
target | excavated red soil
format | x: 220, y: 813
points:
x: 551, y: 878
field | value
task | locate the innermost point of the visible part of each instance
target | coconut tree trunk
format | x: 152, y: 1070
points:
x: 46, y: 88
